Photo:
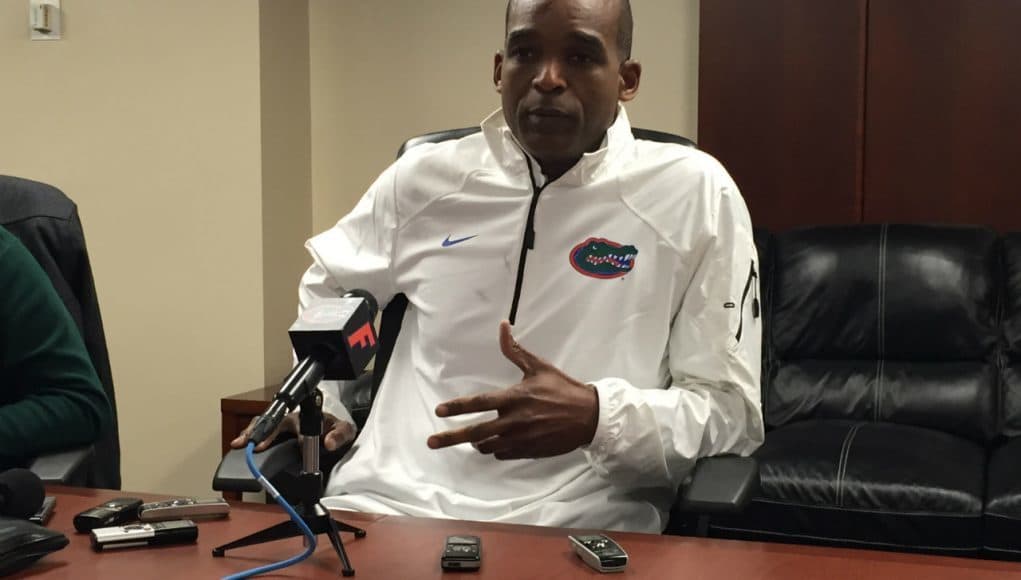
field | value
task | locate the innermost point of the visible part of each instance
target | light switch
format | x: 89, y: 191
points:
x: 44, y: 19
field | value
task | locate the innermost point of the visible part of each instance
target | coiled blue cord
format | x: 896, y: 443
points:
x: 310, y: 544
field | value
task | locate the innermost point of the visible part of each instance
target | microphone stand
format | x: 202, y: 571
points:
x: 310, y: 488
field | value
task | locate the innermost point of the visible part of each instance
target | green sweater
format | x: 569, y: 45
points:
x: 50, y: 396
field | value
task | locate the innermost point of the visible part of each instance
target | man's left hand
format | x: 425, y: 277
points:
x: 548, y: 413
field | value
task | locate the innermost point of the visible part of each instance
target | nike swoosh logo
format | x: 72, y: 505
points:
x: 449, y: 242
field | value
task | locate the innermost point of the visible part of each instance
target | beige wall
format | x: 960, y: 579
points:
x: 286, y: 172
x: 203, y: 141
x: 385, y: 70
x: 147, y: 114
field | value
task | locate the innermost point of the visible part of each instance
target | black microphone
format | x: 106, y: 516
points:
x: 334, y: 338
x: 21, y: 493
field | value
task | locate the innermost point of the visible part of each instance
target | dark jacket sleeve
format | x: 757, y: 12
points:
x: 50, y: 395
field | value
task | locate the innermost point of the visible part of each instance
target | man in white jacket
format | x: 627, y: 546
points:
x: 584, y: 318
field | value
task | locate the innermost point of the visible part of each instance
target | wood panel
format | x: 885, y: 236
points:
x: 780, y: 104
x: 943, y: 130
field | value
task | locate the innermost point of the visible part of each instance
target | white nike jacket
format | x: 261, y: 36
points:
x: 641, y: 279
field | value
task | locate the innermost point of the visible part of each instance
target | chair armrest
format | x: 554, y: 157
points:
x: 357, y: 398
x: 280, y: 464
x: 282, y: 461
x: 233, y: 474
x: 63, y: 467
x: 722, y: 484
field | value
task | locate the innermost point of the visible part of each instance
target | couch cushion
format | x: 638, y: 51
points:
x: 1012, y: 302
x: 1012, y: 335
x: 891, y: 323
x: 868, y: 484
x: 1003, y: 499
x: 956, y: 397
x: 892, y: 292
x: 1003, y: 494
x: 1011, y: 399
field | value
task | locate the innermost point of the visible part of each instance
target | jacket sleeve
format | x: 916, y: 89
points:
x: 52, y: 393
x: 652, y: 437
x: 355, y: 253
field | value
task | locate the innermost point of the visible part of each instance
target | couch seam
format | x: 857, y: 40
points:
x: 845, y: 451
x: 1000, y: 516
x: 876, y: 511
x: 840, y: 539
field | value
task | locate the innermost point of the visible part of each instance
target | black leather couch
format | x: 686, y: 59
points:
x: 891, y: 390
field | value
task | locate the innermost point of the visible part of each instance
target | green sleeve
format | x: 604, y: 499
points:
x: 50, y: 396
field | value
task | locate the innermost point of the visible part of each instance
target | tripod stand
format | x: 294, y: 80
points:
x: 309, y: 486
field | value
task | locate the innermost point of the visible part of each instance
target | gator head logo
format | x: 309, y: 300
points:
x: 601, y: 258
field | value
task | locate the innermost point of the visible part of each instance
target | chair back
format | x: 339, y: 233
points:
x: 47, y: 223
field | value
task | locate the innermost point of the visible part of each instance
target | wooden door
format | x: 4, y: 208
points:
x: 943, y: 121
x: 781, y: 105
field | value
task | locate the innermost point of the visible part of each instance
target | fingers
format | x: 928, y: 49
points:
x: 490, y: 401
x: 341, y: 434
x: 242, y: 439
x: 239, y: 441
x: 267, y: 441
x: 503, y: 446
x: 477, y: 432
x: 512, y: 350
x: 289, y: 424
x: 498, y: 444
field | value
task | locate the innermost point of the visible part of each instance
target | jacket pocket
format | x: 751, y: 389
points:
x: 750, y: 286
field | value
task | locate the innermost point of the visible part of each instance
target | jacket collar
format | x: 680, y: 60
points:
x: 592, y: 166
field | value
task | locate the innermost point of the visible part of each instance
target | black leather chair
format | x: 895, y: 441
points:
x: 47, y: 223
x: 718, y: 485
x: 882, y: 392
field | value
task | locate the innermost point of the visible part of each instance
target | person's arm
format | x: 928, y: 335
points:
x: 652, y: 437
x: 51, y: 395
x: 354, y: 254
x: 317, y: 283
x: 356, y: 251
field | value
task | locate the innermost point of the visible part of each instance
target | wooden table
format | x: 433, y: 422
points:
x: 405, y: 548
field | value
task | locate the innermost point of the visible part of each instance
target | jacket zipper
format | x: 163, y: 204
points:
x: 529, y: 241
x: 752, y: 276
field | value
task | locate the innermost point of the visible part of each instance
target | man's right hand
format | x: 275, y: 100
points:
x: 336, y: 432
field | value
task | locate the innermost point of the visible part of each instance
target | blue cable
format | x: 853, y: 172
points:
x: 309, y: 536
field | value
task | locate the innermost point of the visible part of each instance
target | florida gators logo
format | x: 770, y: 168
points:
x: 602, y: 258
